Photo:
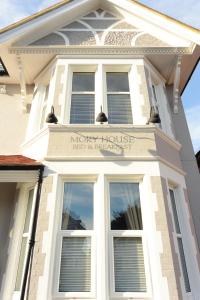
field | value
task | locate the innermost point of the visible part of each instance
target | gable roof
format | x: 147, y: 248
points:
x: 20, y: 36
x: 64, y: 2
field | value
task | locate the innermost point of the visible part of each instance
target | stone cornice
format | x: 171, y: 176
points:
x: 101, y: 51
x: 101, y: 128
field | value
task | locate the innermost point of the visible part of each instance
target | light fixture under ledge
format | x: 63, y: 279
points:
x: 154, y: 116
x: 51, y: 118
x: 101, y: 118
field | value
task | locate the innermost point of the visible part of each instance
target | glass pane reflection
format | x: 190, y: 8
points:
x: 125, y: 209
x: 83, y: 82
x: 77, y: 206
x: 117, y: 82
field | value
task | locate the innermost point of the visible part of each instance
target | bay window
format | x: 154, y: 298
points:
x: 77, y: 263
x: 84, y: 88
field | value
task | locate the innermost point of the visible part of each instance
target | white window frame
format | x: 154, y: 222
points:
x: 75, y: 233
x: 127, y: 233
x: 161, y: 101
x: 176, y: 236
x: 67, y: 107
x: 101, y: 267
x: 99, y: 69
x: 117, y: 69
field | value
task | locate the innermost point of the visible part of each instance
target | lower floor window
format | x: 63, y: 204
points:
x: 79, y: 220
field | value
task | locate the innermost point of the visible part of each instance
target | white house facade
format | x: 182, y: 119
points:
x: 99, y: 186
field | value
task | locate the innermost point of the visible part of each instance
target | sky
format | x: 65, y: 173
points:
x: 187, y: 11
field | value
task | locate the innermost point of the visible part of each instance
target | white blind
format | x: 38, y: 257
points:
x: 75, y: 270
x: 82, y: 109
x: 129, y: 265
x: 119, y: 109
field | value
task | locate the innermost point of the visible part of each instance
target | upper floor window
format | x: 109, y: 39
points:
x: 83, y: 99
x: 118, y: 98
x: 79, y: 91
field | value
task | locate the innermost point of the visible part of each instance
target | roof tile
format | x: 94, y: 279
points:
x: 18, y: 160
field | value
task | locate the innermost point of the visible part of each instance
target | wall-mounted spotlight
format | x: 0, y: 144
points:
x: 154, y: 116
x: 51, y: 118
x: 101, y: 118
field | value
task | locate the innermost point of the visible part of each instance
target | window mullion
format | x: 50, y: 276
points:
x: 99, y: 94
x: 65, y: 99
x: 68, y: 95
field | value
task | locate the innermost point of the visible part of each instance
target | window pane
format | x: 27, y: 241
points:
x: 82, y: 109
x: 77, y: 206
x: 175, y: 215
x: 184, y: 267
x: 125, y: 209
x: 21, y: 264
x: 117, y: 82
x: 119, y: 109
x: 75, y: 270
x: 28, y: 211
x: 129, y: 265
x: 83, y: 82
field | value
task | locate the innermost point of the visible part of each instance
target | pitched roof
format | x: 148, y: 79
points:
x: 62, y: 3
x: 18, y: 161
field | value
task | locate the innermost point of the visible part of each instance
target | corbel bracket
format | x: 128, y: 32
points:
x: 22, y: 84
x: 177, y: 77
